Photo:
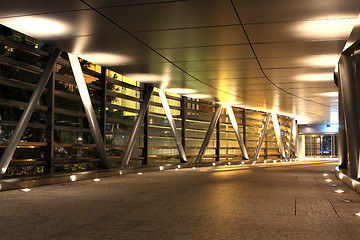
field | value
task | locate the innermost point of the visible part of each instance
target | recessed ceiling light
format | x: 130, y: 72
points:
x: 198, y: 96
x: 38, y: 27
x: 329, y: 94
x: 181, y: 90
x: 106, y: 59
x: 319, y: 60
x: 316, y: 77
x: 324, y: 29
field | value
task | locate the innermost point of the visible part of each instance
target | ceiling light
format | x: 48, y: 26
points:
x: 319, y: 60
x: 324, y: 29
x: 329, y: 94
x: 38, y: 27
x: 316, y: 77
x: 105, y: 59
x: 198, y: 96
x: 339, y: 191
x: 96, y: 180
x: 181, y: 90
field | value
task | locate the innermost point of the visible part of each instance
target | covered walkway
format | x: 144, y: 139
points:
x: 264, y: 201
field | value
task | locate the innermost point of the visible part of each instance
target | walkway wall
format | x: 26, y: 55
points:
x: 116, y: 100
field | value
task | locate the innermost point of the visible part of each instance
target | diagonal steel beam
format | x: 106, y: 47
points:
x: 89, y: 110
x: 209, y: 132
x: 262, y: 136
x: 140, y: 118
x: 237, y: 133
x: 25, y: 117
x: 172, y: 126
x: 278, y: 134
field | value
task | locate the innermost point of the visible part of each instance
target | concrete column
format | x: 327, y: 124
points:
x: 348, y: 92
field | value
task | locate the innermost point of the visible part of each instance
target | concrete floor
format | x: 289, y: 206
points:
x: 282, y: 201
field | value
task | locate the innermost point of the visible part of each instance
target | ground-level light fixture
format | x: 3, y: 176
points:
x: 339, y: 191
x: 161, y: 168
x: 26, y: 190
x: 140, y: 173
x: 73, y: 178
x: 96, y: 179
x: 328, y: 180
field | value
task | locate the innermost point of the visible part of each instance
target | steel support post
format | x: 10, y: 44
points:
x: 172, y: 126
x: 146, y: 138
x: 144, y: 106
x: 89, y: 110
x: 244, y: 125
x: 217, y: 150
x: 183, y: 121
x: 278, y: 134
x: 296, y: 139
x: 50, y: 102
x: 342, y: 142
x: 237, y: 133
x: 208, y: 135
x: 103, y: 104
x: 289, y: 147
x: 25, y: 117
x: 348, y: 89
x: 262, y: 136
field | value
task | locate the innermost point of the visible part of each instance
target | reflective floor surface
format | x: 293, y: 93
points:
x: 261, y: 201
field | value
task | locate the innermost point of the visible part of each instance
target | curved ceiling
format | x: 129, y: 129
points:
x: 268, y: 55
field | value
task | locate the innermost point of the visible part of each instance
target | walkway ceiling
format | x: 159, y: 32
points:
x: 274, y: 55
